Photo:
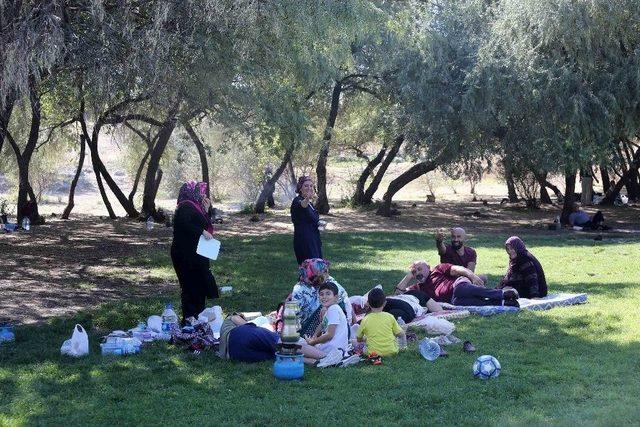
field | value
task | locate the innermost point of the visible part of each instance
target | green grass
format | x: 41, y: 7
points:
x: 566, y: 366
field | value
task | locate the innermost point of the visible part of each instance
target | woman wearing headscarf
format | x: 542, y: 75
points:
x: 313, y: 273
x: 525, y: 274
x: 191, y: 221
x: 305, y: 218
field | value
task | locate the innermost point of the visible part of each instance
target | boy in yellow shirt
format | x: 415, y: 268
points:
x: 378, y: 328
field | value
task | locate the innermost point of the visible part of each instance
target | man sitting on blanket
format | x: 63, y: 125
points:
x: 456, y: 253
x: 454, y: 284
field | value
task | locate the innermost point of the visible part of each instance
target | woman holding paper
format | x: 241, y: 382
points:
x: 305, y: 218
x: 191, y: 221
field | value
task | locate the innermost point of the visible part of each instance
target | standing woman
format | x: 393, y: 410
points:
x: 190, y: 222
x: 305, y: 218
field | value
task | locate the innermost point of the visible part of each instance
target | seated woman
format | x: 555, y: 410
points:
x: 525, y: 274
x: 245, y: 342
x: 313, y: 273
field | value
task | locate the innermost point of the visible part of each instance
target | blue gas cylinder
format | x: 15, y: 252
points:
x: 288, y: 366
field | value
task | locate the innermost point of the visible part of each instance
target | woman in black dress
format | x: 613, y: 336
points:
x: 190, y: 222
x: 305, y: 218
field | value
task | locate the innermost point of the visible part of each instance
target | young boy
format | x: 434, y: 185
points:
x: 332, y: 336
x: 379, y: 328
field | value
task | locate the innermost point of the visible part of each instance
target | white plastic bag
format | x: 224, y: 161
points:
x: 434, y: 325
x: 78, y: 345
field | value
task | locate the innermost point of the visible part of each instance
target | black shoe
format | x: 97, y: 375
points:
x: 511, y: 303
x: 468, y: 347
x: 510, y: 294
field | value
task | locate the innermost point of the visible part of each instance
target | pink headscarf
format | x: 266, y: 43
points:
x: 193, y: 193
x: 313, y: 267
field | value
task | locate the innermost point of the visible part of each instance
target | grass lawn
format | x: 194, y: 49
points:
x: 578, y: 365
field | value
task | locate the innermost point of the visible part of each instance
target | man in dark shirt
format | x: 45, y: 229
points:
x: 456, y: 253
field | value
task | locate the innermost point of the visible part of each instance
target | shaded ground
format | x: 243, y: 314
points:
x: 65, y: 266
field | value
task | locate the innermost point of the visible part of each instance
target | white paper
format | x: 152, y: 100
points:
x: 208, y: 248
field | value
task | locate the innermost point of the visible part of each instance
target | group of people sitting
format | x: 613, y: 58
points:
x: 327, y: 313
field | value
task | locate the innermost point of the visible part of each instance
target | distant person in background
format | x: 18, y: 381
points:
x: 580, y: 218
x: 525, y: 273
x: 456, y: 253
x: 305, y: 218
x: 191, y: 221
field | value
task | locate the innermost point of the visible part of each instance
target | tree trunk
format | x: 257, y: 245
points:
x: 358, y: 196
x: 201, y: 152
x: 512, y: 194
x: 292, y: 174
x: 95, y: 161
x: 409, y: 175
x: 136, y: 181
x: 269, y: 185
x: 586, y: 182
x: 606, y: 180
x: 322, y: 204
x: 614, y: 190
x: 74, y: 182
x: 375, y: 183
x: 25, y: 192
x: 569, y: 196
x: 150, y: 188
x: 541, y: 177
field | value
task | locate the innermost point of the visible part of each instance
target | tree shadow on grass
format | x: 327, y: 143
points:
x: 562, y: 366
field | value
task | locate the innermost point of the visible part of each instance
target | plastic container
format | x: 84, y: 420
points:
x: 288, y: 366
x: 226, y: 290
x: 169, y: 318
x: 6, y: 332
x: 429, y: 349
x: 150, y: 223
x: 402, y: 339
x: 26, y: 223
x: 217, y: 323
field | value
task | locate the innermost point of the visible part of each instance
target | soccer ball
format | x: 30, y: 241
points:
x: 486, y: 367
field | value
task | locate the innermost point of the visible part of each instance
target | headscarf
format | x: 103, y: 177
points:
x: 313, y: 267
x: 301, y: 181
x: 521, y: 250
x: 193, y: 193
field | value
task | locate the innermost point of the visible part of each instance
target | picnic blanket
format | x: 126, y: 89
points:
x: 546, y: 303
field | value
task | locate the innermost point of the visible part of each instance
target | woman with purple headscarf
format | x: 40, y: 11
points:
x: 305, y: 218
x: 525, y: 274
x: 191, y: 221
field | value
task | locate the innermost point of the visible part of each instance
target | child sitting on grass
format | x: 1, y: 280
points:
x: 332, y: 335
x: 378, y: 328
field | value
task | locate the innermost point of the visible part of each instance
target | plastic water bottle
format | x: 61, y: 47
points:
x: 217, y: 323
x: 169, y: 318
x: 26, y: 223
x: 150, y: 223
x: 429, y: 349
x: 402, y: 339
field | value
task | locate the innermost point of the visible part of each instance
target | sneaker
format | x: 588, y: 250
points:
x: 333, y: 358
x: 349, y: 361
x: 510, y: 294
x: 512, y: 303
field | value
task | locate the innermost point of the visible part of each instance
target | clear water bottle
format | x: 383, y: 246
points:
x: 402, y: 339
x: 150, y: 223
x: 429, y: 349
x: 169, y: 318
x: 26, y: 223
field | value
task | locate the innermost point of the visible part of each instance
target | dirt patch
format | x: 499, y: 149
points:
x: 65, y: 266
